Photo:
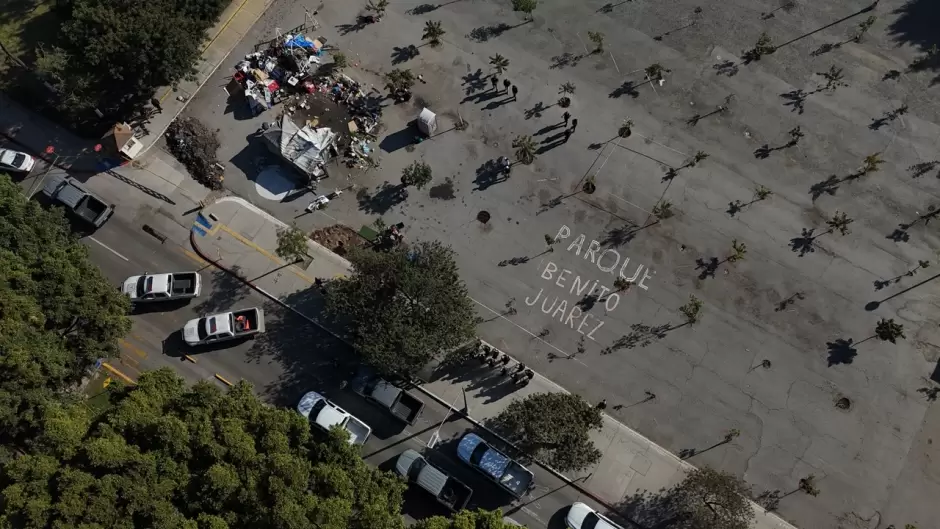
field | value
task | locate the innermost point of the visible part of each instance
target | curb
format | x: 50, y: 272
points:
x: 439, y: 400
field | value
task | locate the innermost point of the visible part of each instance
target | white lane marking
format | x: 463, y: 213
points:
x: 106, y: 247
x: 533, y: 515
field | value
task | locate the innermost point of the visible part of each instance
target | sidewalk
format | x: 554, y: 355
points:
x: 243, y: 238
x: 233, y: 24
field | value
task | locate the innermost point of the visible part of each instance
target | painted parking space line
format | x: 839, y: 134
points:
x: 133, y: 348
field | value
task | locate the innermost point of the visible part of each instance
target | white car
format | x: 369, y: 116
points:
x: 325, y: 415
x: 580, y: 516
x: 16, y: 161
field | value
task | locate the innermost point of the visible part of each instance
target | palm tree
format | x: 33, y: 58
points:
x: 839, y: 222
x: 763, y: 46
x: 795, y: 134
x: 378, y: 7
x: 738, y: 250
x: 762, y: 193
x: 525, y: 149
x: 692, y: 310
x: 662, y: 210
x: 621, y: 284
x: 889, y: 331
x: 833, y: 78
x: 550, y: 241
x: 696, y: 158
x: 731, y: 434
x: 654, y: 72
x: 399, y: 81
x: 598, y: 39
x: 433, y: 33
x: 808, y: 485
x: 625, y: 129
x: 871, y: 163
x: 564, y: 90
x: 499, y: 63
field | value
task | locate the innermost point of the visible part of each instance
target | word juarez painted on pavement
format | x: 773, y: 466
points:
x: 608, y: 261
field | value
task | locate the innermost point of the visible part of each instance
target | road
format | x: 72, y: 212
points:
x: 272, y: 364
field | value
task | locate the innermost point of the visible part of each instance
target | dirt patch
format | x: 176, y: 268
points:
x: 338, y: 238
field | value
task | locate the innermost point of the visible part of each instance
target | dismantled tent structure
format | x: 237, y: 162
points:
x: 307, y: 148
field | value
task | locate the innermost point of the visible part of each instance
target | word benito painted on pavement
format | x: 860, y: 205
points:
x: 607, y: 261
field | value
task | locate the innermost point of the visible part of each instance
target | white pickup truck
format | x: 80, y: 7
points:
x: 245, y: 323
x: 325, y: 415
x: 162, y: 287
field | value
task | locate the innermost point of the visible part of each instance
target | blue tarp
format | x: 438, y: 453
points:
x: 299, y: 41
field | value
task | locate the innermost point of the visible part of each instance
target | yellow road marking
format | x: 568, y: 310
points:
x: 226, y: 382
x: 224, y: 26
x: 191, y: 359
x: 194, y: 257
x: 114, y: 371
x: 133, y: 348
x: 262, y: 251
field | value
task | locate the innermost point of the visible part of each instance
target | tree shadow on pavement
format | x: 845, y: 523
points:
x: 841, y: 351
x: 346, y: 29
x: 224, y: 291
x: 488, y: 174
x: 404, y: 54
x: 649, y: 510
x: 916, y: 25
x: 383, y: 199
x: 474, y: 82
x: 485, y: 33
x: 627, y: 88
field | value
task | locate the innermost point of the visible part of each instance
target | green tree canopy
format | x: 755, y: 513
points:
x: 112, y: 55
x: 166, y: 456
x: 403, y: 307
x: 712, y: 499
x: 478, y: 519
x: 552, y: 427
x: 58, y: 314
x: 291, y: 244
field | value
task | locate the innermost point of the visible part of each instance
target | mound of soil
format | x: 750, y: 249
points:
x: 338, y: 238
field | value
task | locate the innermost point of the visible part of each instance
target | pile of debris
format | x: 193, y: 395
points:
x: 196, y: 147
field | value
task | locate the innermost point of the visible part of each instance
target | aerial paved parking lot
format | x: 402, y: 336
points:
x: 777, y: 352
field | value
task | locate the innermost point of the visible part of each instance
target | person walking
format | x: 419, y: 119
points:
x: 506, y: 85
x: 574, y: 124
x: 566, y: 116
x: 155, y: 103
x: 515, y: 92
x: 602, y: 404
x: 495, y: 82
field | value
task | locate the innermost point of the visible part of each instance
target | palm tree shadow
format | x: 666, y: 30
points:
x: 485, y: 33
x: 536, y: 110
x: 900, y: 234
x: 829, y: 186
x: 805, y: 243
x: 796, y: 99
x: 346, y: 29
x: 728, y: 68
x: 841, y: 352
x: 404, y: 54
x: 488, y: 174
x: 474, y: 82
x: 627, y: 88
x: 565, y: 59
x: 619, y: 236
x: 385, y: 198
x: 708, y: 267
x: 423, y: 9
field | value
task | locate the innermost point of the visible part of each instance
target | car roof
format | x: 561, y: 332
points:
x: 578, y: 512
x: 308, y: 401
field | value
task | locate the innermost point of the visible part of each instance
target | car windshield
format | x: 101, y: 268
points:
x: 142, y: 286
x: 478, y: 452
x: 315, y: 410
x: 590, y: 521
x: 18, y: 159
x: 208, y: 326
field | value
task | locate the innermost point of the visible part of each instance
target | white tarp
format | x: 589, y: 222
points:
x: 305, y: 147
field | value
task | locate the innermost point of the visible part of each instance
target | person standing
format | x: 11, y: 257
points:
x: 155, y: 103
x: 566, y: 116
x: 495, y: 82
x: 506, y: 85
x: 574, y: 124
x: 602, y: 404
x: 515, y: 92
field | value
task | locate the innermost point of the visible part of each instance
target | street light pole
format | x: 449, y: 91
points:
x: 436, y: 436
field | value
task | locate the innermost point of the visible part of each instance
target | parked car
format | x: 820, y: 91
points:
x: 162, y: 287
x: 245, y: 323
x: 580, y: 516
x: 403, y: 405
x: 79, y: 201
x: 16, y: 161
x: 326, y: 415
x: 447, y: 490
x: 511, y: 476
